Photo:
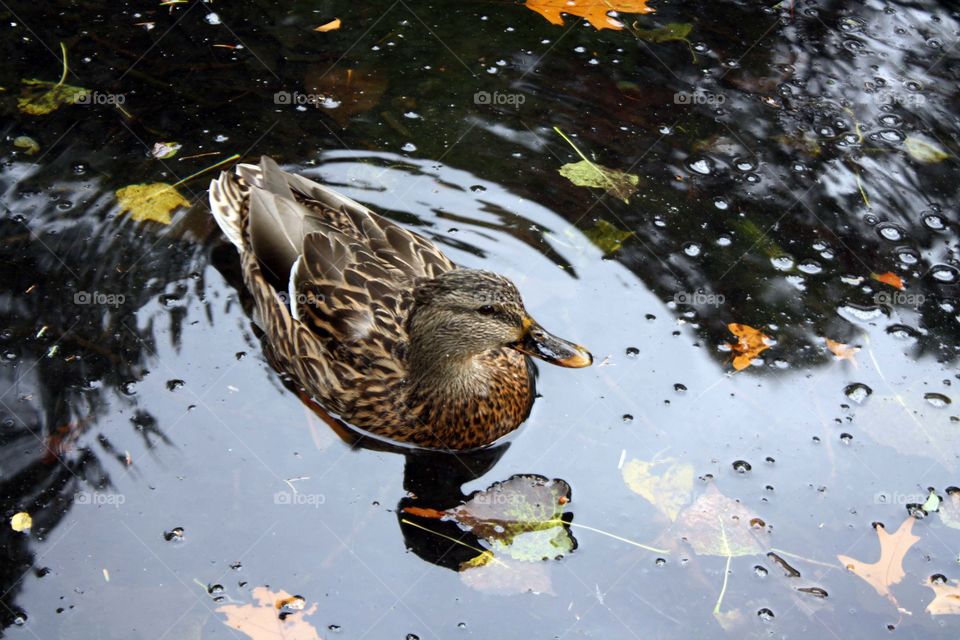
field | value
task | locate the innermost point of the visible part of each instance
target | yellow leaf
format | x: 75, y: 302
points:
x: 750, y: 344
x: 606, y: 236
x: 333, y: 25
x: 260, y: 620
x: 21, y: 521
x: 38, y: 98
x: 946, y: 599
x: 595, y: 11
x: 842, y: 351
x: 668, y: 492
x: 153, y: 201
x: 924, y: 151
x: 715, y: 525
x: 888, y: 570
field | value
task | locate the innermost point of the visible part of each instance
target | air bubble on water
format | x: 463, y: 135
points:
x: 212, y: 18
x: 680, y: 388
x: 214, y: 589
x: 765, y: 614
x: 724, y: 241
x: 721, y: 204
x: 413, y: 636
x: 627, y: 417
x: 846, y: 438
x: 660, y: 562
x: 174, y: 535
x: 744, y: 165
x: 741, y: 466
x: 760, y: 571
x: 783, y: 262
x: 934, y: 222
x: 857, y: 391
x: 863, y: 314
x: 632, y: 352
x: 937, y: 399
x: 908, y: 256
x: 478, y: 188
x: 335, y: 628
x: 173, y: 385
x: 890, y: 231
x: 945, y: 273
x: 692, y: 249
x: 810, y: 266
x: 701, y: 166
x: 409, y: 147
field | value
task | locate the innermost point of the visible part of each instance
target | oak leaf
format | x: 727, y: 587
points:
x: 261, y: 621
x: 750, y: 344
x: 888, y: 570
x: 946, y: 599
x: 842, y: 351
x: 594, y: 11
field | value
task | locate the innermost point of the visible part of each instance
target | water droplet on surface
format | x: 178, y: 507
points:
x: 692, y: 249
x: 175, y: 534
x: 660, y: 562
x: 846, y: 438
x: 935, y: 222
x: 173, y: 385
x: 627, y: 417
x: 335, y: 628
x: 783, y: 263
x: 810, y: 266
x: 857, y: 391
x: 945, y: 273
x: 478, y: 188
x: 765, y: 614
x: 680, y: 388
x: 409, y: 147
x: 214, y: 589
x: 412, y: 636
x: 760, y: 571
x: 937, y: 399
x: 701, y: 167
x: 632, y: 352
x: 890, y: 231
x: 741, y: 466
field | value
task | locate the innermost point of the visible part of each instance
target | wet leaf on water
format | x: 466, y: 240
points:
x: 28, y: 144
x: 164, y: 150
x: 715, y: 525
x: 594, y: 11
x: 607, y: 237
x: 21, y: 521
x: 750, y: 344
x: 520, y: 517
x: 508, y: 577
x: 669, y: 491
x: 923, y: 151
x: 333, y: 25
x: 932, y: 504
x: 889, y: 278
x: 260, y: 620
x: 155, y: 201
x: 888, y: 570
x: 842, y: 351
x: 38, y: 98
x: 946, y: 598
x: 670, y: 32
x: 343, y: 93
x: 589, y: 174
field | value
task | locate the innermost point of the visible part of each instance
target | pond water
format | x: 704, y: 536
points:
x: 796, y: 172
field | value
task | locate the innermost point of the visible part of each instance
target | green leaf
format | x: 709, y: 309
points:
x: 589, y: 174
x: 164, y: 150
x: 669, y: 492
x: 154, y: 201
x: 606, y: 236
x: 923, y: 151
x: 932, y: 503
x: 669, y: 32
x: 38, y: 98
x: 28, y: 144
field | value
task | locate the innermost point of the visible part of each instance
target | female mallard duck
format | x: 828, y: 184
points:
x: 374, y: 322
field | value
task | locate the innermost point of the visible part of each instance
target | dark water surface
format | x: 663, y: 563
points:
x: 784, y: 154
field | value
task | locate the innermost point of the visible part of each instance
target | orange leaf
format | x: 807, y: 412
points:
x: 842, y: 351
x: 946, y: 598
x: 260, y: 620
x: 889, y: 278
x: 425, y: 512
x: 888, y: 570
x: 333, y: 25
x: 750, y: 343
x: 595, y: 11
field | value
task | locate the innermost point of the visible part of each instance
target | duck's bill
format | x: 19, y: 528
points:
x: 547, y: 347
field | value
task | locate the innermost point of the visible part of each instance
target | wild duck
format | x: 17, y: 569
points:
x: 373, y: 322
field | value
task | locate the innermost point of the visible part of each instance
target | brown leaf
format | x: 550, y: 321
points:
x: 595, y: 11
x: 333, y: 25
x: 889, y: 278
x: 842, y: 351
x: 946, y: 599
x: 750, y: 343
x: 888, y: 570
x: 716, y: 525
x: 261, y: 621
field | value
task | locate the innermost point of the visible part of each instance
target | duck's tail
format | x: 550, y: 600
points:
x: 229, y: 203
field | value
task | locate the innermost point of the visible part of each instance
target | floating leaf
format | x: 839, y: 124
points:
x: 28, y: 144
x: 164, y: 150
x: 946, y: 599
x: 38, y: 98
x: 261, y: 620
x: 21, y: 521
x: 932, y: 503
x: 606, y: 236
x: 507, y: 577
x: 923, y: 151
x: 669, y: 492
x: 667, y: 33
x: 155, y: 201
x: 842, y: 351
x: 333, y: 25
x: 716, y: 525
x: 595, y: 11
x: 889, y: 278
x: 888, y: 570
x: 750, y: 344
x: 589, y: 174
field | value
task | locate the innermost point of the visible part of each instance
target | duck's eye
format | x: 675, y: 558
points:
x: 486, y: 310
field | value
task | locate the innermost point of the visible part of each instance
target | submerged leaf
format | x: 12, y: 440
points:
x: 261, y: 620
x: 842, y: 351
x: 589, y: 174
x: 716, y: 525
x: 28, y: 144
x: 155, y: 201
x: 888, y: 570
x: 606, y: 236
x: 750, y: 344
x: 673, y: 31
x: 38, y: 98
x: 507, y: 577
x: 595, y: 11
x: 923, y: 151
x: 669, y: 492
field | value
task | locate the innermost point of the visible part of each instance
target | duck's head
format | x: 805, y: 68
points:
x: 465, y: 312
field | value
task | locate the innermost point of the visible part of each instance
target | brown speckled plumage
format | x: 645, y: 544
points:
x: 377, y: 325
